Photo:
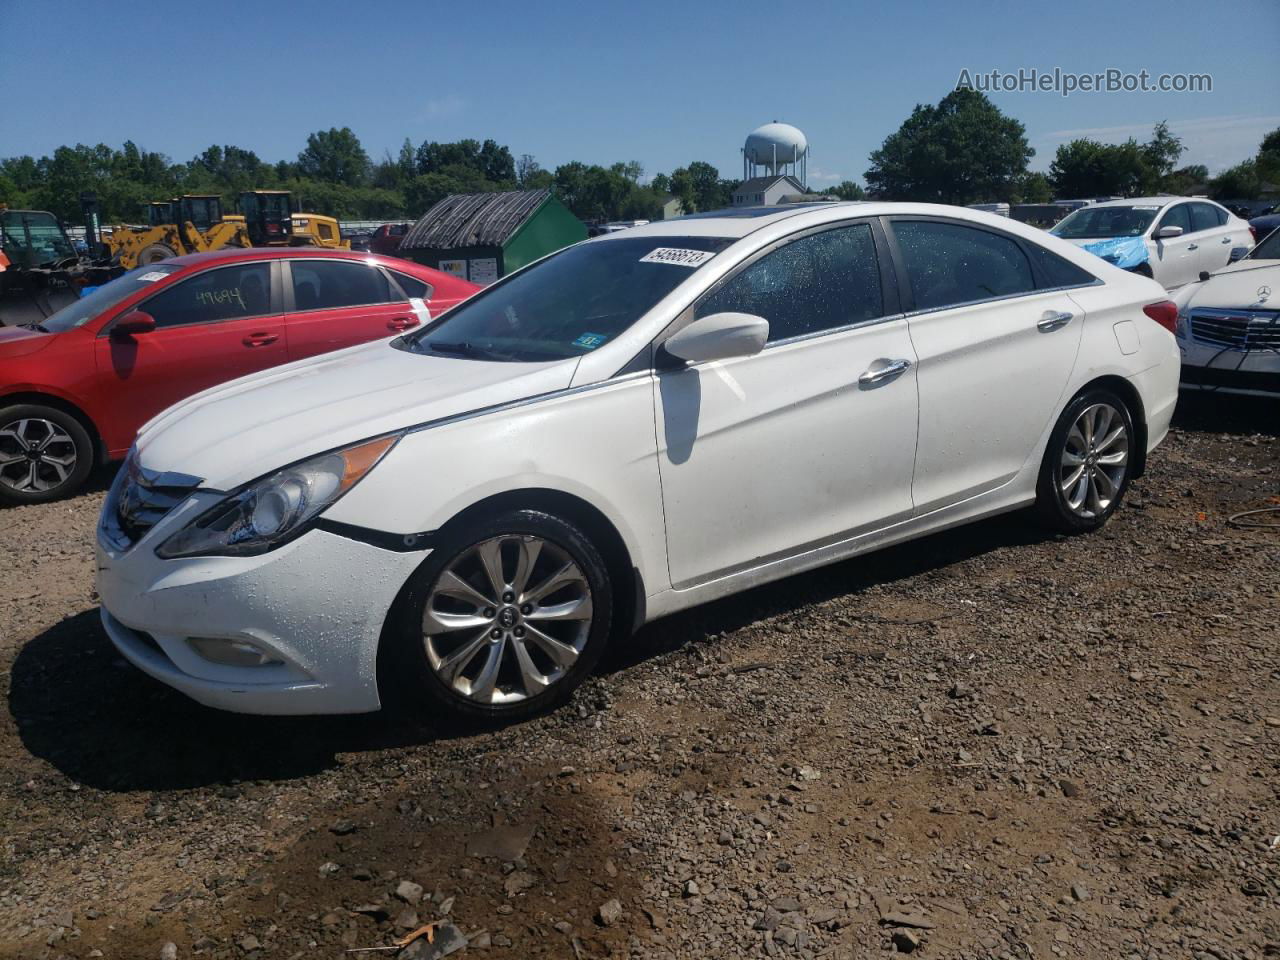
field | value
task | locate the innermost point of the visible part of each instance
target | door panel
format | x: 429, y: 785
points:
x: 341, y: 303
x: 762, y: 456
x: 991, y: 373
x: 203, y: 337
x: 1177, y: 258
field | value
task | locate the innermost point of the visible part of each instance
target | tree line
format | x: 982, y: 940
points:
x: 961, y: 150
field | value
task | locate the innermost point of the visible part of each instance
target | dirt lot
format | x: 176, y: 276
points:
x: 988, y: 743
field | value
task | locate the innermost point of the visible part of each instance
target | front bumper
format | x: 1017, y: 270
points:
x: 1228, y: 369
x: 316, y: 607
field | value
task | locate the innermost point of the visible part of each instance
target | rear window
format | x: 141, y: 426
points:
x: 949, y: 264
x: 1057, y: 271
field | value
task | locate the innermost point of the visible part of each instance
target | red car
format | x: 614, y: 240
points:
x: 75, y: 388
x: 388, y: 237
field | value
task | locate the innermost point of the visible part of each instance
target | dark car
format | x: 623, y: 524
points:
x: 1264, y: 224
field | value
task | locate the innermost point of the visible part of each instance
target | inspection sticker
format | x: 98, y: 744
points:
x: 590, y: 340
x: 153, y: 276
x: 681, y: 258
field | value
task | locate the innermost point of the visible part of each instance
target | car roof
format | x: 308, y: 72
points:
x: 1145, y: 202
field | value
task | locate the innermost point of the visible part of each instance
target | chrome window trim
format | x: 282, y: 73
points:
x: 1026, y: 294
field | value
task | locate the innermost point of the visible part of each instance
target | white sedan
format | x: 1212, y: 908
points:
x: 1229, y: 326
x: 631, y: 426
x: 1171, y: 239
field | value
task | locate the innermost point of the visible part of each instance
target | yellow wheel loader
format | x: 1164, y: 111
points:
x: 188, y: 224
x: 272, y: 222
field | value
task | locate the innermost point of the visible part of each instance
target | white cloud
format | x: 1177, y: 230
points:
x: 1217, y: 142
x: 818, y: 175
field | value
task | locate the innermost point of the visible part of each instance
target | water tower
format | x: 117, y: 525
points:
x: 776, y: 149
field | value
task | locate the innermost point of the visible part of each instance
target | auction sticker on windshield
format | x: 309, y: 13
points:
x: 677, y: 256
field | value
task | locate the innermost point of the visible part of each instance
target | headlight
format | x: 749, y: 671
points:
x: 266, y: 513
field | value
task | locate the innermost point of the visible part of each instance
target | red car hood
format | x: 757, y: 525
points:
x: 19, y: 342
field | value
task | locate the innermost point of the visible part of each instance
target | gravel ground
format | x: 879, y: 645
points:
x: 990, y: 743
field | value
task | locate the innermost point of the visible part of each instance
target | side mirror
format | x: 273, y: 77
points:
x: 720, y: 336
x: 1166, y: 233
x: 132, y: 324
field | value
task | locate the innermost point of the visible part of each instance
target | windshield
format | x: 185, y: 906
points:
x: 1268, y: 248
x: 32, y: 238
x: 1100, y: 223
x: 103, y: 298
x: 569, y: 304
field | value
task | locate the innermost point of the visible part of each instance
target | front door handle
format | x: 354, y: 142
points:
x: 402, y: 323
x: 882, y: 371
x: 1193, y: 246
x: 1053, y: 320
x: 1226, y: 239
x: 259, y: 339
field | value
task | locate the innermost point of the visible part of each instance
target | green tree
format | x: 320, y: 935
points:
x: 846, y: 190
x: 1159, y: 155
x: 1268, y: 159
x: 1241, y: 182
x: 962, y: 150
x: 1033, y: 187
x: 335, y: 156
x: 1087, y: 168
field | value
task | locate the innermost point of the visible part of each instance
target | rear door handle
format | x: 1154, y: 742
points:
x: 259, y: 339
x: 882, y: 371
x: 402, y: 323
x: 1193, y: 246
x: 1052, y: 320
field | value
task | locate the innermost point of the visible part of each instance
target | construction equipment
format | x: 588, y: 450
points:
x: 189, y: 224
x: 40, y: 269
x: 272, y: 222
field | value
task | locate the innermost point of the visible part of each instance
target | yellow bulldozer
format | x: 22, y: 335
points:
x: 195, y: 223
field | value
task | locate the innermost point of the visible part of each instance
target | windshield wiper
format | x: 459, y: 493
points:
x: 463, y: 349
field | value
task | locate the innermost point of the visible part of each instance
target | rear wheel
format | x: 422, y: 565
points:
x: 45, y: 454
x: 504, y: 620
x: 155, y: 253
x: 1087, y: 463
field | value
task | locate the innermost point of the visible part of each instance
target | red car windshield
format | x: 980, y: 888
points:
x: 103, y: 298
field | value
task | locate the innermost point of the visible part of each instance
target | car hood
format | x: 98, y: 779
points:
x: 21, y: 342
x: 241, y: 430
x: 1245, y: 285
x: 1124, y: 252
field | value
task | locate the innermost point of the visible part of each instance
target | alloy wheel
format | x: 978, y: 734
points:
x: 506, y: 619
x: 1094, y: 461
x: 35, y: 455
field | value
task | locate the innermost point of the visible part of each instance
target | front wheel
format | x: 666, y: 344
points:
x: 45, y: 454
x: 504, y: 620
x: 1087, y: 463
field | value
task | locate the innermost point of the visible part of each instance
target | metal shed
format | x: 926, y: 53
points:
x: 483, y: 236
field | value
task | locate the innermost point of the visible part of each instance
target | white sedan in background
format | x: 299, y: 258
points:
x: 1171, y: 239
x: 1229, y: 325
x: 629, y: 427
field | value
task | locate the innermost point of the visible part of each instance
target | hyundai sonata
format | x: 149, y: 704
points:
x: 631, y: 426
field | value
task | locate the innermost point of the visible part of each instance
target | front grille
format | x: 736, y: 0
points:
x: 140, y: 499
x: 1237, y: 329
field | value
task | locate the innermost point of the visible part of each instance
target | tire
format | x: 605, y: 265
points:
x: 45, y: 454
x: 155, y: 253
x: 1103, y: 464
x: 452, y: 626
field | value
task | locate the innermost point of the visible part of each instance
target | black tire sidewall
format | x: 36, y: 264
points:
x: 79, y: 436
x: 1050, y: 502
x: 416, y: 685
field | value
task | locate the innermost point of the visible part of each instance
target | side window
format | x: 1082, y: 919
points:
x: 949, y: 264
x: 819, y: 282
x: 1203, y: 217
x: 1178, y: 216
x: 227, y: 293
x: 1059, y: 272
x: 412, y: 286
x: 326, y: 284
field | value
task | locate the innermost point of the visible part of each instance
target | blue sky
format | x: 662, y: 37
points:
x: 663, y: 83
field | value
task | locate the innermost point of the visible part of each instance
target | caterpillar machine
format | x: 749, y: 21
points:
x: 195, y: 223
